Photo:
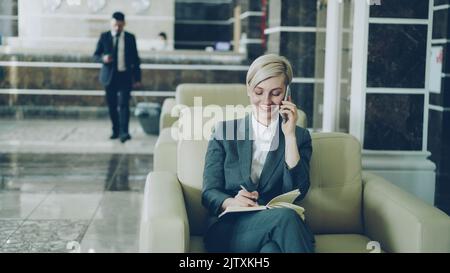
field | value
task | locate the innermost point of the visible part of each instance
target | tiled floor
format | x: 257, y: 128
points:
x: 59, y: 198
x: 70, y: 136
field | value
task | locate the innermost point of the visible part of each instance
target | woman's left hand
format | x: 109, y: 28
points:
x: 290, y: 110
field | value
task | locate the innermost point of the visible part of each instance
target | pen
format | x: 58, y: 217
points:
x: 242, y: 187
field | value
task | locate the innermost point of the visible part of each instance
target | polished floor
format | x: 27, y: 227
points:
x: 71, y: 202
x: 70, y: 136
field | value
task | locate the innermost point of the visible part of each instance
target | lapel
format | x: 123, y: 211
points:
x: 273, y: 158
x: 244, y: 148
x: 125, y: 44
x: 109, y: 40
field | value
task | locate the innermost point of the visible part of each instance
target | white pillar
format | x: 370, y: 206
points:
x: 359, y: 68
x: 332, y: 76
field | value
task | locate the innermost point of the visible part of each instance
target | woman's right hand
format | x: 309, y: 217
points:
x: 242, y: 199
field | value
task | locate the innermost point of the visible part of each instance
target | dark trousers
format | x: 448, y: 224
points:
x: 272, y: 230
x: 117, y: 98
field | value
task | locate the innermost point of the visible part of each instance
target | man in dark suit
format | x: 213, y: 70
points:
x: 120, y: 72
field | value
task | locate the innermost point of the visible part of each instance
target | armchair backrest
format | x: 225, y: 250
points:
x: 217, y: 94
x: 334, y: 201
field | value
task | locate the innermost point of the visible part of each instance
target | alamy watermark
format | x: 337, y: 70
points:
x: 201, y: 122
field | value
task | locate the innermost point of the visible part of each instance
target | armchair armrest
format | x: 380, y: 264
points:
x: 164, y: 222
x: 165, y: 152
x: 401, y: 222
x: 166, y: 120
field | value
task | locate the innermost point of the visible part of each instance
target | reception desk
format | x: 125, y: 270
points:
x: 37, y: 80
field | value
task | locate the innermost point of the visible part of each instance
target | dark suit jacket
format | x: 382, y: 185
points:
x: 228, y: 165
x: 132, y: 61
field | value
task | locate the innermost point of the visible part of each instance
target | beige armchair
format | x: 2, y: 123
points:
x: 347, y: 209
x: 211, y: 94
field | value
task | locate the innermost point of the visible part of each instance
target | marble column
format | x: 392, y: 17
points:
x: 292, y: 32
x: 439, y: 108
x: 389, y: 112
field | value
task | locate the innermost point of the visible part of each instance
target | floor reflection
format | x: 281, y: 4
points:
x: 37, y: 172
x: 117, y: 176
x: 43, y: 195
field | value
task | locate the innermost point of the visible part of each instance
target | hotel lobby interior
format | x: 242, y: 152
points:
x: 370, y: 80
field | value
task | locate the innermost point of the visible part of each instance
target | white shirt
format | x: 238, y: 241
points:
x: 121, y: 52
x: 263, y: 137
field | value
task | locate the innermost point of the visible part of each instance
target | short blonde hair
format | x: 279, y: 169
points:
x: 268, y: 66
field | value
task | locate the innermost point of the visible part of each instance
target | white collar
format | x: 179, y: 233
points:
x: 113, y: 33
x: 262, y: 131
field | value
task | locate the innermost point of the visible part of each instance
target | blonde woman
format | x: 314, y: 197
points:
x: 265, y: 155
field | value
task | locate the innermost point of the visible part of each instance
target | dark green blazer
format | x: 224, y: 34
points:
x: 229, y: 159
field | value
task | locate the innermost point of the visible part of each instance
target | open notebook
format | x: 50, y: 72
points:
x: 285, y: 200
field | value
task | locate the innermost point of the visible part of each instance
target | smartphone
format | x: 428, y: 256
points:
x: 288, y: 93
x: 286, y: 97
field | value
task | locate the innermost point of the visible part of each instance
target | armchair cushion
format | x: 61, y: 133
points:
x: 342, y: 243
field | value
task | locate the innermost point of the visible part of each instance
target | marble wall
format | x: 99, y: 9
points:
x: 87, y: 78
x: 396, y: 61
x: 417, y: 9
x: 389, y: 62
x: 439, y: 112
x: 394, y: 122
x: 41, y: 76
